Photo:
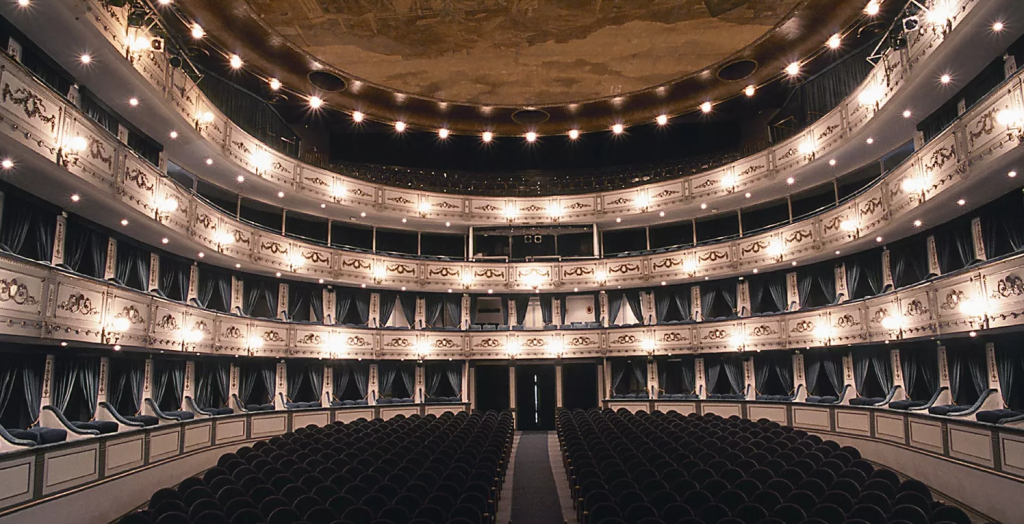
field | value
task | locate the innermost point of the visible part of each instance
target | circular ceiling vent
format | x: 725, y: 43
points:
x: 737, y: 70
x: 326, y: 81
x: 528, y: 117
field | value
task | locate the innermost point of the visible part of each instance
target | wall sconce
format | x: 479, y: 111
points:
x: 824, y: 332
x: 379, y: 273
x: 261, y: 161
x: 1013, y: 119
x: 893, y: 323
x: 203, y: 119
x: 649, y: 345
x: 223, y: 238
x: 165, y: 206
x: 338, y: 191
x: 643, y: 202
x: 510, y: 213
x: 555, y: 211
x: 513, y: 349
x: 113, y: 330
x: 424, y: 208
x: 601, y: 276
x: 976, y: 310
x: 296, y: 261
x: 807, y: 150
x: 467, y: 278
x: 533, y: 280
x: 729, y: 183
x: 254, y: 344
x: 556, y: 349
x: 776, y: 250
x: 690, y: 267
x: 190, y: 338
x: 421, y: 350
x: 73, y: 146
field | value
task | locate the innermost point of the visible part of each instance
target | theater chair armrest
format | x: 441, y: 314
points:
x: 190, y: 405
x: 9, y: 442
x: 106, y: 412
x: 1015, y: 422
x: 51, y: 417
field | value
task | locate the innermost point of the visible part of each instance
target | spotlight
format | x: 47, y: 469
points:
x: 618, y: 129
x: 907, y: 113
x: 164, y: 2
x: 945, y: 79
x: 750, y: 91
x: 1012, y: 174
x: 7, y: 163
x: 85, y: 59
x: 164, y: 240
x: 574, y: 134
x: 832, y: 162
x: 661, y: 120
x: 275, y: 84
x: 917, y: 223
x: 443, y: 133
x: 201, y: 254
x: 961, y: 202
x: 487, y: 136
x: 998, y: 26
x: 835, y: 41
x: 531, y: 136
x: 209, y: 161
x: 124, y: 221
x: 357, y: 116
x: 174, y: 135
x: 878, y: 239
x: 280, y: 194
x: 705, y: 107
x: 790, y: 181
x: 315, y: 102
x: 870, y: 141
x: 75, y: 198
x: 793, y: 69
x: 400, y: 126
x: 235, y: 61
x: 240, y: 179
x: 703, y: 206
x: 134, y: 102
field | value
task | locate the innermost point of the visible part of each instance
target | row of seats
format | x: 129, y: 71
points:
x: 666, y: 468
x: 416, y: 470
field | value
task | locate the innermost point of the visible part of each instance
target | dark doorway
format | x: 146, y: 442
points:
x: 535, y: 397
x: 491, y: 384
x: 579, y: 385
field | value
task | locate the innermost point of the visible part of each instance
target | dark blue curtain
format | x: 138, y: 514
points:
x: 614, y: 304
x: 833, y: 364
x: 545, y: 309
x: 784, y: 369
x: 1007, y: 363
x: 362, y: 300
x: 387, y: 371
x: 387, y: 306
x: 712, y: 368
x: 681, y: 295
x: 342, y: 376
x: 853, y: 271
x: 662, y: 300
x: 408, y: 301
x: 733, y: 366
x: 688, y: 373
x: 89, y: 383
x: 408, y: 374
x: 883, y: 369
x: 522, y: 305
x: 174, y: 274
x: 633, y: 299
x: 453, y: 306
x: 812, y: 362
x: 342, y: 302
x: 297, y: 371
x: 435, y: 305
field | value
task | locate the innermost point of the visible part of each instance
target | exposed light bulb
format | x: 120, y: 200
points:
x: 705, y: 107
x: 574, y: 134
x: 23, y: 3
x: 7, y: 163
x: 907, y: 113
x: 275, y: 84
x: 75, y: 198
x: 197, y: 31
x: 793, y: 69
x: 835, y: 41
x: 618, y: 129
x: 531, y: 136
x: 487, y: 136
x: 315, y: 102
x: 85, y: 59
x: 998, y: 26
x: 873, y: 8
x: 790, y: 181
x: 662, y: 120
x: 357, y: 116
x: 240, y: 179
x: 235, y: 61
x: 750, y: 90
x: 134, y: 102
x: 443, y: 133
x: 400, y: 126
x: 945, y: 79
x: 174, y: 135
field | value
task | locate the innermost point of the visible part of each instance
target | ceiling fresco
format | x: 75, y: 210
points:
x: 521, y: 52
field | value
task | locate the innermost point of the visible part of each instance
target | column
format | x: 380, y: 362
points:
x: 977, y: 237
x: 190, y: 380
x: 799, y: 378
x: 699, y: 381
x: 233, y: 382
x: 236, y: 295
x: 101, y: 395
x: 512, y: 391
x: 109, y: 269
x: 843, y: 291
x: 328, y: 298
x: 991, y: 367
x: 147, y: 382
x: 373, y: 386
x: 558, y: 385
x: 512, y: 311
x: 556, y: 311
x: 743, y: 306
x: 467, y: 303
x: 419, y: 396
x: 464, y: 385
x: 943, y: 368
x: 280, y: 385
x: 897, y: 375
x: 282, y: 301
x: 421, y: 313
x: 748, y: 378
x: 48, y: 371
x: 193, y: 283
x: 602, y: 299
x: 374, y: 320
x: 695, y: 312
x: 848, y: 375
x: 328, y: 385
x: 606, y: 391
x: 60, y: 232
x: 933, y: 257
x: 792, y: 292
x: 471, y: 385
x: 154, y: 272
x: 887, y: 283
x: 601, y: 383
x: 653, y: 387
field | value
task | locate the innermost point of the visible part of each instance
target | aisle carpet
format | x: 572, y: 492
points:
x: 534, y: 495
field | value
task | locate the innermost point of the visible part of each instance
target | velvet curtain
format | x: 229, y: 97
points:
x: 32, y: 380
x: 433, y: 376
x: 269, y: 375
x: 707, y: 299
x: 784, y: 370
x: 956, y: 366
x: 834, y: 371
x: 614, y: 304
x: 342, y: 375
x: 803, y: 288
x: 861, y: 362
x: 883, y: 369
x: 296, y: 375
x: 909, y: 366
x: 435, y: 304
x: 853, y: 271
x: 712, y: 367
x: 640, y: 372
x: 177, y: 373
x: 681, y: 295
x: 826, y: 276
x: 633, y: 299
x: 315, y: 371
x: 688, y: 375
x: 762, y: 366
x: 9, y: 370
x: 618, y: 370
x: 453, y: 308
x: 662, y: 299
x: 977, y: 367
x: 734, y: 373
x: 342, y: 302
x: 174, y: 276
x: 387, y: 306
x: 65, y: 376
x: 408, y: 301
x: 408, y: 374
x: 755, y: 290
x: 777, y: 288
x: 387, y: 372
x: 729, y: 294
x: 813, y: 364
x: 89, y: 383
x: 1007, y: 362
x: 454, y: 374
x: 362, y: 301
x: 522, y: 305
x: 246, y: 380
x: 361, y: 374
x: 545, y: 309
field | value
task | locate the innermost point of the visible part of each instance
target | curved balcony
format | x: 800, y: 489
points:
x: 39, y: 301
x: 873, y: 110
x: 984, y: 142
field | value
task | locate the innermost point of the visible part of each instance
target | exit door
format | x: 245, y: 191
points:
x: 535, y: 397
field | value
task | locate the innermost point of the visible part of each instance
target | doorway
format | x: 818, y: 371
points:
x: 535, y: 397
x: 491, y: 383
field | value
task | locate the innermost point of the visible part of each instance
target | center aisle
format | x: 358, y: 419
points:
x: 534, y: 494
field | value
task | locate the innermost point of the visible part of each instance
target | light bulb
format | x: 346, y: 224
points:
x: 235, y: 61
x: 275, y: 84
